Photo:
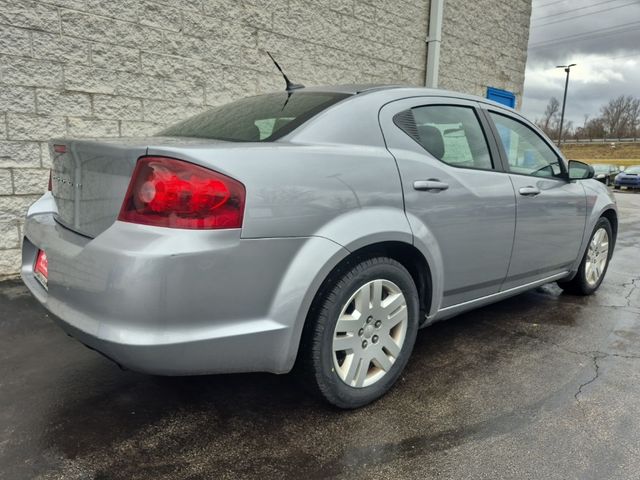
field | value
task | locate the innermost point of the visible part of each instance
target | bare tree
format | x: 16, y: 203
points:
x: 567, y: 130
x: 620, y: 115
x: 594, y: 128
x: 549, y: 121
x: 634, y: 118
x: 620, y: 118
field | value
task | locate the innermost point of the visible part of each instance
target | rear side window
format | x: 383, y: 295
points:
x: 262, y: 118
x: 450, y: 133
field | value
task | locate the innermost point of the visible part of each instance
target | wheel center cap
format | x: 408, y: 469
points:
x: 368, y: 331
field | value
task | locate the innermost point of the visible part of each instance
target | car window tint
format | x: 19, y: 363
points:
x: 255, y: 119
x: 452, y: 134
x: 526, y: 152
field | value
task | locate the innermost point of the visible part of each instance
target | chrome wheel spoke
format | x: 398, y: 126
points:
x: 598, y: 236
x: 399, y: 316
x: 376, y: 293
x: 345, y: 343
x: 363, y: 301
x: 392, y: 303
x: 352, y: 369
x: 382, y: 361
x: 592, y: 273
x: 347, y: 324
x: 602, y: 259
x: 391, y: 346
x: 363, y: 370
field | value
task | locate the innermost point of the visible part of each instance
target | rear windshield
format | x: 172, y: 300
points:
x: 255, y: 119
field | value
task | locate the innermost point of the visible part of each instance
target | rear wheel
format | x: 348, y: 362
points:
x: 594, y: 263
x: 360, y: 332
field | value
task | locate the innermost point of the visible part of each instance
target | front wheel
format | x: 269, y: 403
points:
x: 360, y: 332
x: 594, y: 263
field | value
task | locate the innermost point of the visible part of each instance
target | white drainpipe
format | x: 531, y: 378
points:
x: 433, y: 43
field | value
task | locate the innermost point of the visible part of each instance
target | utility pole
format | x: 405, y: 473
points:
x: 567, y: 68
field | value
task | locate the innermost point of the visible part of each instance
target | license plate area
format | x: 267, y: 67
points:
x: 41, y: 269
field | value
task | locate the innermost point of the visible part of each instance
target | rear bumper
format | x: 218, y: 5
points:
x: 178, y: 302
x: 618, y: 183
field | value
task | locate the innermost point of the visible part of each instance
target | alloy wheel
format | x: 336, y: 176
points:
x: 597, y: 256
x: 370, y: 333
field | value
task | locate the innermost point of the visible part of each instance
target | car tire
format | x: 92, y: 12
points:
x: 616, y: 187
x: 366, y: 297
x: 585, y: 283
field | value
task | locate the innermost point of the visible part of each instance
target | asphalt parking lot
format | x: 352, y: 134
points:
x: 544, y: 385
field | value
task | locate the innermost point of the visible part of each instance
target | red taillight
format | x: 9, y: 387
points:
x: 166, y: 192
x: 42, y: 264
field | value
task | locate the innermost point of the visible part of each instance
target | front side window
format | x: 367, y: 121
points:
x: 452, y: 134
x: 526, y: 152
x: 262, y: 118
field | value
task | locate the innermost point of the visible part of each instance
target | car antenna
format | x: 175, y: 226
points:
x: 290, y: 85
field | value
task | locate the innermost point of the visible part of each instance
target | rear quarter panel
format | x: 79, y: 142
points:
x: 348, y: 194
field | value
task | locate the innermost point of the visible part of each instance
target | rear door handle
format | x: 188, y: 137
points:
x: 529, y: 191
x: 431, y: 185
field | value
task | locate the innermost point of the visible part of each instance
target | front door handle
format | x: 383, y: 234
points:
x: 529, y: 191
x: 431, y: 185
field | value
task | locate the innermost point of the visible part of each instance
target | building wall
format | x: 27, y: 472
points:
x: 484, y: 43
x: 127, y: 67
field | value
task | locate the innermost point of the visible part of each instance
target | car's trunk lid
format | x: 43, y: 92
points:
x: 89, y: 178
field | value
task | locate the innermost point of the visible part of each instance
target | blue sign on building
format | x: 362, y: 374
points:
x: 504, y: 97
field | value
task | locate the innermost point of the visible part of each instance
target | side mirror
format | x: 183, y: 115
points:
x: 580, y: 170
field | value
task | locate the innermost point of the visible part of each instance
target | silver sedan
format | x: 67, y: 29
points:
x: 318, y: 228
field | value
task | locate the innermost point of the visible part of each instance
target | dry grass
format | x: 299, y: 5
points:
x: 620, y: 162
x: 623, y: 154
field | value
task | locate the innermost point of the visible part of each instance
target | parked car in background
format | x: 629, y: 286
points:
x: 319, y: 227
x: 629, y: 178
x: 605, y: 173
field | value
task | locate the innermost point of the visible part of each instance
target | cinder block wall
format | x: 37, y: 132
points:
x: 484, y: 43
x: 127, y: 67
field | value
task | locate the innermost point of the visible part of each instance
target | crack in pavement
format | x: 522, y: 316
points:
x: 596, y: 367
x: 594, y: 355
x: 633, y: 286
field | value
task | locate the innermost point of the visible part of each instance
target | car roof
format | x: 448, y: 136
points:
x: 350, y: 88
x: 403, y: 90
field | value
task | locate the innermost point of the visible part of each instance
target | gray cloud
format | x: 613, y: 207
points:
x: 602, y: 37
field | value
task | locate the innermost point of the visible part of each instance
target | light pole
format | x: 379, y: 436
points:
x: 567, y: 68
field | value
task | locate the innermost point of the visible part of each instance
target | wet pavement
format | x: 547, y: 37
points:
x: 544, y: 385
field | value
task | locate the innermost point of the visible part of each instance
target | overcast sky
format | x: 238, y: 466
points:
x: 601, y: 37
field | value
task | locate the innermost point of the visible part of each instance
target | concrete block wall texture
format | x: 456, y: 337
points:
x: 83, y: 68
x: 484, y: 43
